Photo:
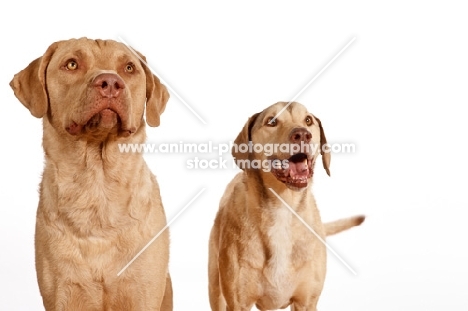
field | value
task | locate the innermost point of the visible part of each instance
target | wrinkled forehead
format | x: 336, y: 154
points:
x: 106, y: 53
x: 290, y: 113
x: 295, y: 112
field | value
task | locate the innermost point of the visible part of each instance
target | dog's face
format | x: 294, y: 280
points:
x: 91, y: 88
x: 285, y: 147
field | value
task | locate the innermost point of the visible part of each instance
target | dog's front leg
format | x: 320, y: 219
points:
x: 311, y: 305
x: 239, y: 284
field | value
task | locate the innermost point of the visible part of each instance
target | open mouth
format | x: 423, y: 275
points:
x: 297, y: 173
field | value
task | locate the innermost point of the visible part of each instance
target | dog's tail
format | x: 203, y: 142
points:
x: 339, y: 225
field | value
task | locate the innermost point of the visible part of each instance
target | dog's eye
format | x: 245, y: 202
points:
x: 272, y: 121
x: 129, y: 68
x: 309, y: 120
x: 72, y: 65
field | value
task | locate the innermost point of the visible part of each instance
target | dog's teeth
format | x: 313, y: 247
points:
x: 306, y: 163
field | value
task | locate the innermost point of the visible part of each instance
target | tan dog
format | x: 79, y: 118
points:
x: 260, y: 252
x: 98, y: 207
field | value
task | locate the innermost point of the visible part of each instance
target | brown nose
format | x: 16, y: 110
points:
x: 299, y: 135
x: 109, y: 84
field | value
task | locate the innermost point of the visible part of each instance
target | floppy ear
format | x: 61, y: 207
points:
x: 29, y: 85
x: 244, y: 137
x: 156, y: 96
x: 326, y: 156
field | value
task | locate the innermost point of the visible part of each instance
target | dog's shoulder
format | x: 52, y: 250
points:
x: 235, y: 186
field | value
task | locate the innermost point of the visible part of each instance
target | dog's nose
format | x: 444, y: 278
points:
x: 109, y: 84
x: 299, y: 135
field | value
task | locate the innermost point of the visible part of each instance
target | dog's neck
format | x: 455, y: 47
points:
x: 95, y: 180
x: 72, y: 156
x: 270, y: 189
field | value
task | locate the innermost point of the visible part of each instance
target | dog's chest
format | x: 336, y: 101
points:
x: 288, y: 251
x: 277, y: 271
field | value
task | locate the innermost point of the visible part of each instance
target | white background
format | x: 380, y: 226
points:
x: 399, y: 93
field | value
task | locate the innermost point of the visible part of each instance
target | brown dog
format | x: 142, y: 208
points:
x: 260, y: 253
x: 98, y: 207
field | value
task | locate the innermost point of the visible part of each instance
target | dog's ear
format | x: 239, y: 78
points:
x: 156, y: 96
x: 30, y: 87
x: 244, y: 138
x: 326, y: 156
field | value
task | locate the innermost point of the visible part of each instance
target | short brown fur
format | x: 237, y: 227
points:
x: 98, y: 207
x: 259, y: 252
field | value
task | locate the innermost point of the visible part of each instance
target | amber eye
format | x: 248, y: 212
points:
x: 129, y: 68
x: 72, y: 65
x: 309, y: 121
x: 272, y: 121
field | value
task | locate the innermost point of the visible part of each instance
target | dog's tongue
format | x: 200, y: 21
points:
x: 299, y: 169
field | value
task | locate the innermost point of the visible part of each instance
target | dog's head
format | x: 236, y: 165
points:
x: 283, y: 141
x: 91, y: 88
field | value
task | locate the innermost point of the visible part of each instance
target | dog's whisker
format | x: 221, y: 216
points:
x: 313, y: 231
